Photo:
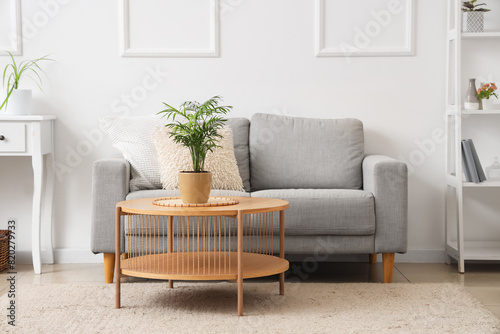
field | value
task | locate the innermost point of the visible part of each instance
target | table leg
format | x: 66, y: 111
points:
x: 282, y: 250
x: 38, y: 172
x: 240, y: 263
x: 46, y: 210
x: 117, y: 255
x: 170, y: 242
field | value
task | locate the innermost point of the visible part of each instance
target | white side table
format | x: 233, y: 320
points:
x: 33, y: 136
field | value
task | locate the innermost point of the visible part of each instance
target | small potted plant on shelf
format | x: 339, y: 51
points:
x: 195, y: 126
x: 484, y: 95
x: 473, y: 18
x: 18, y: 101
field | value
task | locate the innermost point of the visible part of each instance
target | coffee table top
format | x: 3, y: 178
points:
x: 247, y: 205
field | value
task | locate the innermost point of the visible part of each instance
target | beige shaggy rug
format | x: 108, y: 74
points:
x: 211, y: 308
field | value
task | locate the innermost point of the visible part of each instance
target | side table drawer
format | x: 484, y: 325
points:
x: 12, y: 137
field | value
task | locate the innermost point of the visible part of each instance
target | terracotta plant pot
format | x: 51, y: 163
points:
x: 195, y: 187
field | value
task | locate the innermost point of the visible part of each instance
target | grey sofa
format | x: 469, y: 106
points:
x: 341, y: 200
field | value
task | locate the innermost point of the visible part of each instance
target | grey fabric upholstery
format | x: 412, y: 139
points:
x: 290, y: 152
x: 149, y: 229
x: 325, y: 211
x: 110, y: 185
x: 171, y: 193
x: 341, y: 202
x: 318, y: 248
x: 240, y: 128
x: 387, y: 180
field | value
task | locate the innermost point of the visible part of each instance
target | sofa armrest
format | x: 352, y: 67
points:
x: 387, y: 179
x: 110, y: 184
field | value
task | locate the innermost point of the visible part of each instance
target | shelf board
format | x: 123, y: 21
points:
x: 481, y: 112
x: 451, y: 110
x: 452, y: 33
x: 486, y: 250
x: 27, y: 117
x: 451, y: 180
x: 202, y: 266
x: 481, y: 35
x: 485, y: 184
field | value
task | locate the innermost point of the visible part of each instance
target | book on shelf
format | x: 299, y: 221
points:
x: 480, y: 170
x: 470, y: 161
x: 468, y: 177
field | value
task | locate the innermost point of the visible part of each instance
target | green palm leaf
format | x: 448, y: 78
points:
x: 198, y: 127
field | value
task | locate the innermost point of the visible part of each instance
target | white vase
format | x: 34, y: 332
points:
x: 471, y: 102
x: 19, y: 102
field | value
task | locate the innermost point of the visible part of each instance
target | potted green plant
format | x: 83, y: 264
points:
x: 195, y: 126
x: 484, y: 94
x: 473, y: 16
x: 18, y: 101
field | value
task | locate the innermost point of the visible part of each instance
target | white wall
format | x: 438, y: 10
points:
x: 267, y: 64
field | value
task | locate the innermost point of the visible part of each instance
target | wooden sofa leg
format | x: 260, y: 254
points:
x: 388, y: 261
x: 373, y: 258
x: 109, y: 267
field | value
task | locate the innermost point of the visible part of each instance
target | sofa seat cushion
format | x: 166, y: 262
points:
x: 325, y: 211
x: 292, y: 152
x: 148, y: 228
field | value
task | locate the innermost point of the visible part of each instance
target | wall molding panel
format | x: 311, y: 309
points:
x: 385, y: 30
x: 204, y: 42
x: 14, y: 32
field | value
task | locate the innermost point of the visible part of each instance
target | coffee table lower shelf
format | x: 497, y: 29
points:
x: 203, y: 266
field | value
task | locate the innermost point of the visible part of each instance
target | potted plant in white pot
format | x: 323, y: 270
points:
x: 473, y: 16
x: 18, y: 101
x: 485, y: 96
x: 196, y: 126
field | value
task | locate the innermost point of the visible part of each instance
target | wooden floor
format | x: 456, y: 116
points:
x: 481, y: 280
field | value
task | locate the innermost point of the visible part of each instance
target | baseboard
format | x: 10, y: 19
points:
x: 62, y: 255
x: 67, y: 255
x: 412, y: 256
x: 420, y: 256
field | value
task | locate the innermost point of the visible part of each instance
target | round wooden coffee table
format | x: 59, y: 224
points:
x: 220, y: 242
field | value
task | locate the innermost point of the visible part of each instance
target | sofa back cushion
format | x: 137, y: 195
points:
x: 133, y: 137
x: 240, y: 128
x: 289, y: 152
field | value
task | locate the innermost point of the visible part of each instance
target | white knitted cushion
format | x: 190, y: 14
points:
x: 132, y: 136
x: 174, y: 158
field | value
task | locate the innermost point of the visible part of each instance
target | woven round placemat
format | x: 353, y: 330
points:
x: 212, y: 201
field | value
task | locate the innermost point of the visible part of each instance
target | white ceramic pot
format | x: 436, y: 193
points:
x: 473, y: 22
x: 19, y: 102
x: 488, y: 104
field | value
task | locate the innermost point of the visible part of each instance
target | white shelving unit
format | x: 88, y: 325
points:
x: 456, y: 246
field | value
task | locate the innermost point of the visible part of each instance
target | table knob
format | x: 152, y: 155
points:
x: 2, y: 137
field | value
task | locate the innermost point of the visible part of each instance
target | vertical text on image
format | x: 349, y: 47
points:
x: 11, y: 274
